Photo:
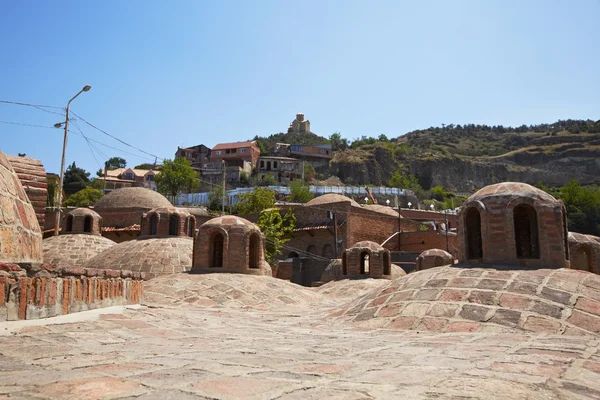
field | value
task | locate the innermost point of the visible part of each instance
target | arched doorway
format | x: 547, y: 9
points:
x: 69, y: 227
x: 582, y: 259
x: 191, y: 226
x: 344, y: 264
x: 87, y: 224
x: 526, y: 232
x: 387, y: 265
x: 216, y: 251
x: 311, y: 249
x: 365, y: 268
x: 153, y: 224
x: 292, y: 254
x: 565, y: 232
x: 254, y: 252
x: 173, y: 224
x: 327, y: 251
x: 474, y: 242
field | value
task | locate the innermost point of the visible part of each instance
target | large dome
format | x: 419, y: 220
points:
x: 155, y: 255
x: 132, y: 197
x: 73, y: 250
x: 330, y: 198
x: 20, y: 235
x: 511, y: 189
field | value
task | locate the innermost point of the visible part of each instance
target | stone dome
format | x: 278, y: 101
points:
x: 434, y: 258
x: 334, y: 271
x: 168, y: 221
x: 82, y: 220
x: 73, y: 250
x: 83, y: 212
x: 369, y: 245
x: 20, y: 234
x: 511, y: 189
x: 196, y: 211
x: 585, y: 252
x: 382, y: 209
x: 330, y: 198
x: 132, y: 197
x: 154, y: 255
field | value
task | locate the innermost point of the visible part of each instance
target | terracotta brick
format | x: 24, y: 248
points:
x: 506, y: 317
x: 52, y: 292
x: 426, y: 294
x: 401, y: 296
x: 432, y: 324
x: 402, y: 323
x: 482, y: 297
x: 514, y: 301
x: 588, y: 305
x: 436, y: 283
x: 585, y: 321
x: 42, y: 292
x: 22, y: 297
x: 474, y: 313
x: 65, y: 298
x: 550, y: 310
x: 523, y: 287
x: 453, y: 295
x: 544, y: 325
x: 443, y: 310
x: 390, y: 310
x: 529, y: 369
x: 463, y: 327
x: 462, y: 282
x: 556, y: 295
x: 378, y: 301
x: 491, y: 284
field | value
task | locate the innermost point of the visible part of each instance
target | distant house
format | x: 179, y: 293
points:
x: 197, y: 155
x: 317, y: 155
x: 239, y: 157
x: 283, y: 169
x: 129, y: 177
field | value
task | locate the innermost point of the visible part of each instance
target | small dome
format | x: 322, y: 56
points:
x: 82, y: 220
x: 369, y: 245
x: 73, y: 250
x: 382, y: 209
x: 132, y: 197
x: 83, y: 212
x: 155, y: 255
x: 511, y: 189
x: 196, y: 211
x: 330, y: 198
x: 20, y: 235
x: 434, y: 258
x: 229, y: 220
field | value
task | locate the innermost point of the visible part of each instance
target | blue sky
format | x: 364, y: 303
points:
x: 180, y: 73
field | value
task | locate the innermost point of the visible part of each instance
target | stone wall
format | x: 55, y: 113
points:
x: 32, y: 175
x: 33, y: 291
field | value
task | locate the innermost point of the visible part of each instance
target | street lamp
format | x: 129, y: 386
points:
x: 366, y: 200
x: 409, y: 204
x: 62, y: 163
x: 432, y: 207
x: 387, y: 202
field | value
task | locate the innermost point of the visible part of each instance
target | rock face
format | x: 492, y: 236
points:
x: 20, y: 235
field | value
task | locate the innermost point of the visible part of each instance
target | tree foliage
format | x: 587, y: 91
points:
x: 215, y: 197
x: 75, y: 179
x: 175, y: 176
x: 277, y: 230
x: 404, y: 181
x: 84, y: 198
x: 116, y: 162
x: 256, y: 201
x: 300, y: 192
x: 583, y: 207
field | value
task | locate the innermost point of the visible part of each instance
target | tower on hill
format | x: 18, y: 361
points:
x: 299, y: 125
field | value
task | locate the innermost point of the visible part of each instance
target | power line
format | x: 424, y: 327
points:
x: 116, y: 138
x: 38, y: 106
x: 21, y: 124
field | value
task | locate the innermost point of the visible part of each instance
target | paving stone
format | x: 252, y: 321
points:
x: 506, y: 317
x: 474, y: 313
x: 556, y: 295
x: 550, y: 310
x: 538, y: 324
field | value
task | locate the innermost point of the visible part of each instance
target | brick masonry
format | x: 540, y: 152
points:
x: 433, y: 258
x: 32, y: 175
x: 451, y: 299
x: 33, y: 291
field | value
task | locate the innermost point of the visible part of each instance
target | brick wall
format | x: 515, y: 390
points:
x: 121, y: 217
x: 34, y: 291
x: 421, y: 241
x: 32, y: 175
x: 373, y: 226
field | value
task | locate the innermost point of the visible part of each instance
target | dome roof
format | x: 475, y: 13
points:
x: 581, y: 238
x: 437, y: 253
x: 73, y: 250
x: 381, y: 209
x: 83, y: 212
x: 155, y: 255
x: 330, y: 198
x: 511, y: 189
x: 170, y: 210
x: 20, y: 233
x: 230, y: 220
x: 368, y: 244
x: 196, y: 211
x: 132, y: 197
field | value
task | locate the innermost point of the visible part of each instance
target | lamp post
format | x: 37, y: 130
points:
x: 366, y: 200
x: 387, y: 202
x: 62, y: 162
x: 409, y: 204
x: 432, y: 207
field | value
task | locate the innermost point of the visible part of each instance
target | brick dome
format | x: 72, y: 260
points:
x: 585, y: 252
x: 168, y: 221
x: 132, y: 197
x: 155, y: 255
x: 330, y: 198
x: 74, y: 249
x: 334, y: 271
x: 378, y: 208
x: 513, y: 224
x: 368, y: 244
x: 82, y: 220
x: 434, y: 258
x: 366, y: 259
x: 20, y: 234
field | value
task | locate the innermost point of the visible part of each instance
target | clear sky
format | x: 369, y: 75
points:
x: 180, y: 73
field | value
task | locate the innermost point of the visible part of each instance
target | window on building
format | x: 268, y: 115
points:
x: 174, y: 225
x: 526, y: 232
x: 274, y: 164
x: 87, y: 224
x: 129, y: 176
x: 218, y: 152
x: 150, y: 178
x: 254, y: 251
x: 268, y: 165
x: 216, y: 253
x: 473, y: 232
x: 262, y: 163
x: 242, y: 150
x: 311, y: 249
x: 365, y: 268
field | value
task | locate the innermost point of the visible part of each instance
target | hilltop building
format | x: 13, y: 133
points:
x: 129, y: 177
x: 299, y: 125
x: 198, y: 155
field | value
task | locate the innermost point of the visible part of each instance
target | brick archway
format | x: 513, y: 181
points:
x: 526, y: 231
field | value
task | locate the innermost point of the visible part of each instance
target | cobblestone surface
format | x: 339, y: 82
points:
x: 178, y: 349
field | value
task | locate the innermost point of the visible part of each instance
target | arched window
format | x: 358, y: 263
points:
x: 292, y: 254
x: 254, y: 251
x: 473, y: 232
x: 191, y: 226
x: 69, y: 227
x: 173, y: 224
x: 153, y: 224
x: 344, y: 264
x: 582, y: 259
x: 387, y: 265
x: 327, y: 251
x: 87, y: 224
x: 311, y: 249
x: 526, y: 232
x: 216, y: 251
x: 365, y: 268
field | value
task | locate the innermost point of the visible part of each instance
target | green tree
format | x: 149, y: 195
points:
x: 75, y: 179
x: 337, y: 142
x: 97, y: 184
x: 277, y: 230
x: 147, y: 166
x: 382, y: 138
x: 583, y: 207
x: 255, y: 201
x: 309, y: 172
x: 244, y: 178
x: 84, y: 198
x: 267, y: 180
x: 402, y: 181
x: 438, y: 193
x: 299, y: 192
x: 175, y: 176
x: 215, y: 197
x: 116, y: 162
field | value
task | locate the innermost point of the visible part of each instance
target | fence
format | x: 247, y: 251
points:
x: 232, y: 199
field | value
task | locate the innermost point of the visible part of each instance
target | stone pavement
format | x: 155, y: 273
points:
x: 181, y: 350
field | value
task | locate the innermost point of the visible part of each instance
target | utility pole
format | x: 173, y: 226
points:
x: 399, y: 226
x: 446, y: 221
x: 105, y: 175
x: 62, y: 162
x: 224, y: 176
x: 335, y: 236
x: 302, y: 170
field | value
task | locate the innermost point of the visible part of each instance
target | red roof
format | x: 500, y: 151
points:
x: 234, y: 145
